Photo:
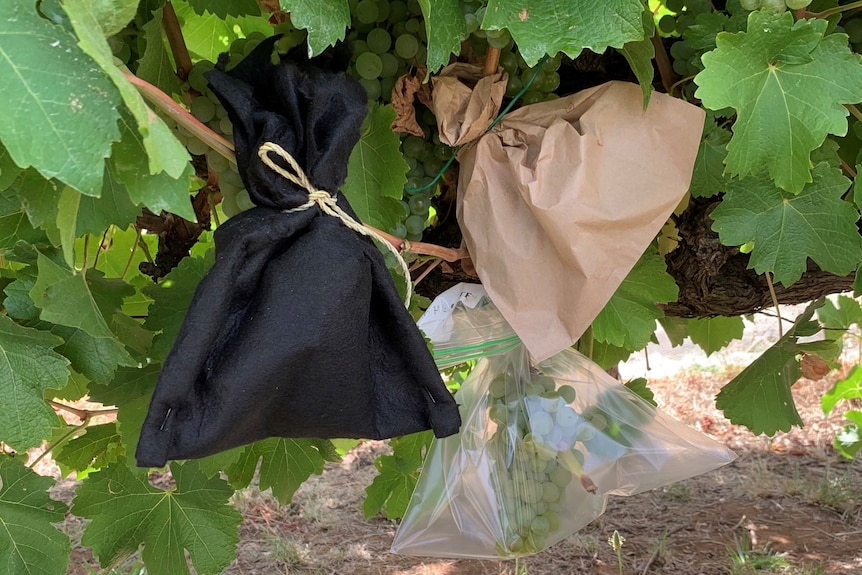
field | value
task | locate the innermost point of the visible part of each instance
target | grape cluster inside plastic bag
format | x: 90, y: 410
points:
x: 542, y: 445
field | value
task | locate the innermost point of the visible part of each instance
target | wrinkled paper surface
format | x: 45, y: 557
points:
x: 561, y: 198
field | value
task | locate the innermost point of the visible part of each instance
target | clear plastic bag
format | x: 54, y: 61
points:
x: 541, y: 448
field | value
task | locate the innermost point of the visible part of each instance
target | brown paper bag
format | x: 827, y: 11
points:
x: 559, y: 201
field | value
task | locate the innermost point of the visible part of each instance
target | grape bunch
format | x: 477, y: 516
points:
x: 539, y: 447
x: 387, y: 38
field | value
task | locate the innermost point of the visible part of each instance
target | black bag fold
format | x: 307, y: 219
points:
x: 298, y: 329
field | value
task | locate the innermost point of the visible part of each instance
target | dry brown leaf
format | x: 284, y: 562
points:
x: 813, y: 367
x: 408, y: 88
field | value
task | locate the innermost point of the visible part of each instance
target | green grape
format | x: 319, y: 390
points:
x: 432, y: 165
x: 514, y: 86
x: 560, y: 476
x: 196, y: 147
x: 414, y: 224
x: 541, y: 423
x: 231, y: 178
x: 217, y: 162
x: 550, y: 82
x: 378, y: 41
x: 497, y: 388
x: 372, y: 87
x: 397, y: 12
x: 369, y: 66
x: 550, y: 493
x: 390, y: 65
x: 413, y: 146
x: 532, y: 97
x: 499, y: 414
x: 797, y: 4
x: 419, y: 204
x: 366, y: 11
x: 472, y: 23
x: 675, y: 5
x: 406, y: 46
x: 358, y: 47
x: 853, y: 28
x: 203, y: 109
x: 400, y: 231
x: 386, y: 87
x: 667, y: 24
x: 567, y: 392
x: 773, y: 5
x: 442, y: 152
x: 552, y: 64
x: 498, y: 38
x: 509, y: 62
x: 566, y: 417
x: 684, y: 21
x: 680, y: 67
x: 382, y: 11
x: 225, y: 127
x: 413, y: 26
x: 228, y: 203
x: 553, y: 520
x: 243, y: 200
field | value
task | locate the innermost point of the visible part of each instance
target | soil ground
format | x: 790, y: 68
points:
x: 788, y: 505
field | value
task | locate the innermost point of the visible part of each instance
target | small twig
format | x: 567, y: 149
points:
x: 492, y: 61
x: 146, y: 249
x: 855, y: 111
x: 427, y: 270
x: 847, y: 168
x: 831, y: 11
x: 669, y: 78
x: 175, y: 38
x: 84, y: 414
x: 775, y: 303
x: 132, y: 255
x: 52, y: 446
x: 101, y: 245
x: 86, y: 254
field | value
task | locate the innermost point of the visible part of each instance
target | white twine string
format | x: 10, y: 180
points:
x: 328, y: 204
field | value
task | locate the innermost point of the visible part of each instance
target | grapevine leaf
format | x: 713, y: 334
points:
x: 18, y: 303
x: 171, y: 301
x: 639, y: 387
x: 130, y: 390
x: 628, y: 319
x: 206, y: 35
x: 708, y: 178
x: 39, y: 198
x: 14, y: 225
x: 67, y: 222
x: 160, y: 191
x: 155, y: 65
x: 398, y: 474
x: 639, y: 55
x: 845, y: 389
x: 787, y: 229
x: 325, y: 20
x: 163, y: 151
x: 604, y: 354
x: 29, y: 542
x: 787, y: 83
x: 97, y: 358
x: 9, y: 170
x: 712, y: 334
x: 222, y: 8
x: 675, y: 328
x: 848, y: 442
x: 551, y: 26
x: 28, y: 366
x: 759, y: 397
x: 284, y: 464
x: 113, y: 208
x: 376, y: 171
x: 445, y: 28
x: 701, y: 35
x: 112, y: 15
x: 65, y: 114
x: 97, y: 448
x: 847, y: 313
x: 65, y: 298
x: 125, y: 511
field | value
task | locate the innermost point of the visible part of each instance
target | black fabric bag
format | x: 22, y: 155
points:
x: 298, y: 329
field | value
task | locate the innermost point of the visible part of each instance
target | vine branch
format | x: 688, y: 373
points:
x: 223, y: 147
x: 836, y: 10
x: 669, y: 79
x: 84, y: 414
x: 175, y: 38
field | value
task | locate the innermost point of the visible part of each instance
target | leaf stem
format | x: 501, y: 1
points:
x: 175, y: 38
x: 84, y: 414
x: 85, y: 255
x: 52, y: 446
x: 775, y: 303
x: 132, y: 255
x: 101, y: 245
x: 855, y: 111
x: 836, y: 10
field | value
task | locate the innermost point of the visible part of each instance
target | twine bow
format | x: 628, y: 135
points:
x: 328, y: 203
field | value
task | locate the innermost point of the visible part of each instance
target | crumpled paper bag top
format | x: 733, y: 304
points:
x: 465, y: 102
x: 559, y: 201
